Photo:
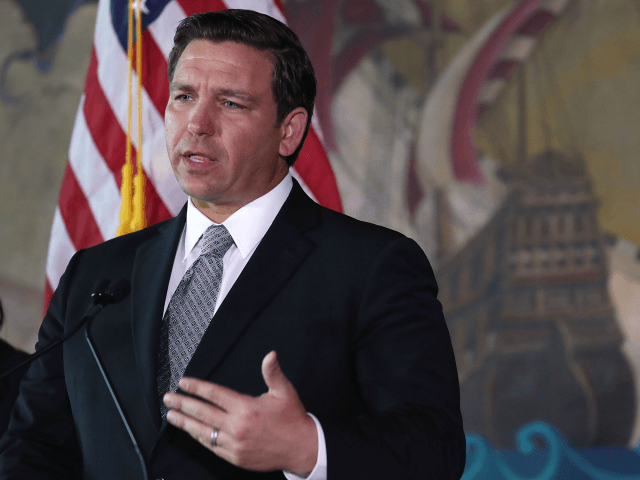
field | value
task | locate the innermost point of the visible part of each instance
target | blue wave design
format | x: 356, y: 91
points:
x: 557, y: 461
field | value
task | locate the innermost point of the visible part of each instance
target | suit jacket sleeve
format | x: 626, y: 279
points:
x: 41, y: 440
x: 411, y: 427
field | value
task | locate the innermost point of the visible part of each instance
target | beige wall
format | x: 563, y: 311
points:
x: 34, y: 138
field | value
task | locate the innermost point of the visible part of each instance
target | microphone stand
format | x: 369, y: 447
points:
x: 105, y: 376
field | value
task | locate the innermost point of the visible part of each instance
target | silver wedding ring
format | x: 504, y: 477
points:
x: 214, y: 437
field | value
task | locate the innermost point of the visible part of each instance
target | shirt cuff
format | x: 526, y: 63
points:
x: 319, y: 472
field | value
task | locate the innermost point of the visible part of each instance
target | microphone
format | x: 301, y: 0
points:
x: 116, y: 292
x: 104, y: 292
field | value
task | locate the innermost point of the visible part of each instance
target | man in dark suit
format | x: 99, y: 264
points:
x: 327, y: 355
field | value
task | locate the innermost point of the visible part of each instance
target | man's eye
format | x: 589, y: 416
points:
x: 230, y: 104
x: 182, y: 97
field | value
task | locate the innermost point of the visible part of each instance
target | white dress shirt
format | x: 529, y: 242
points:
x: 247, y: 226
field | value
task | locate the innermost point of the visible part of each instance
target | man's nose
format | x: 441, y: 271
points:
x: 201, y: 119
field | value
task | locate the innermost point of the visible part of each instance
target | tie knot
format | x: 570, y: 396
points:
x: 216, y: 240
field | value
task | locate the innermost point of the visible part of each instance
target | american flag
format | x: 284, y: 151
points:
x: 89, y: 204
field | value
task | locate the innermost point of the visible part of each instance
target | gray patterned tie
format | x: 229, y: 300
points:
x: 190, y: 310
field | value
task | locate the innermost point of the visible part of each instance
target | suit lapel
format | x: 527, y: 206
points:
x: 281, y: 251
x: 150, y: 280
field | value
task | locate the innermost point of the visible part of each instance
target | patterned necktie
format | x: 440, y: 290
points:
x: 190, y: 310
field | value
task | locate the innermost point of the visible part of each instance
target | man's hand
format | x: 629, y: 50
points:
x: 265, y: 433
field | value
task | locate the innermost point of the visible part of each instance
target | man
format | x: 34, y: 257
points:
x: 326, y: 355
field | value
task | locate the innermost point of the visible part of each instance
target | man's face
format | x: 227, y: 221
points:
x: 222, y: 138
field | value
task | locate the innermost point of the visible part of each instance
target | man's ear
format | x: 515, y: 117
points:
x: 292, y: 129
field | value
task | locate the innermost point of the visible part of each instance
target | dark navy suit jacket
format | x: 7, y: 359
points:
x: 350, y: 308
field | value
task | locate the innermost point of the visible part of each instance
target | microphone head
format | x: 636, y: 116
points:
x: 118, y: 290
x: 98, y: 290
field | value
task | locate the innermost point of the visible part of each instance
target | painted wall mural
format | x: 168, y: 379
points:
x: 503, y: 137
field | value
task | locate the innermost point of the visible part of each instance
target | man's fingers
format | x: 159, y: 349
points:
x: 200, y: 431
x: 220, y: 396
x: 274, y: 377
x: 193, y: 407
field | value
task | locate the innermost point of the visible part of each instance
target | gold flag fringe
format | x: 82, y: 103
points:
x: 132, y: 210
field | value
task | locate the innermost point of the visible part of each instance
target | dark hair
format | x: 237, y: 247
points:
x: 293, y: 82
x: 1, y: 315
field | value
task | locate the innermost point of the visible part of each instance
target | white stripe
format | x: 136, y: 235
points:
x: 61, y: 250
x: 518, y: 47
x: 490, y: 90
x: 164, y: 27
x: 302, y: 183
x: 94, y: 176
x: 112, y: 75
x: 263, y: 6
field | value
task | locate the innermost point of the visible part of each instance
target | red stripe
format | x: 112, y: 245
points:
x: 154, y: 73
x: 74, y: 207
x: 315, y: 169
x: 48, y: 293
x: 537, y: 24
x: 196, y: 6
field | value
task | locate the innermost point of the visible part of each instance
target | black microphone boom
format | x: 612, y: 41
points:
x: 104, y: 292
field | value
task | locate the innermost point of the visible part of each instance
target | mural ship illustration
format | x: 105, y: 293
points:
x: 526, y: 297
x: 529, y: 312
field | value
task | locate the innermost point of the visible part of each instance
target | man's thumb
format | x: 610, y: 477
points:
x: 272, y: 373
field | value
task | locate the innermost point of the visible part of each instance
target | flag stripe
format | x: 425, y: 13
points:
x: 107, y: 134
x: 48, y: 293
x: 94, y: 178
x: 189, y: 7
x: 154, y: 73
x: 74, y: 209
x: 61, y: 244
x: 318, y: 173
x: 167, y: 21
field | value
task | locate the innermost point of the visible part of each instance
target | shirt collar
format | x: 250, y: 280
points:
x: 247, y: 226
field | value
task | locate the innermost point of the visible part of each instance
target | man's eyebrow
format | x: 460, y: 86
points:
x: 183, y: 87
x: 227, y: 92
x: 246, y: 96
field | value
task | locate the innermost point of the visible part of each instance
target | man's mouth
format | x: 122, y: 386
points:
x: 197, y: 157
